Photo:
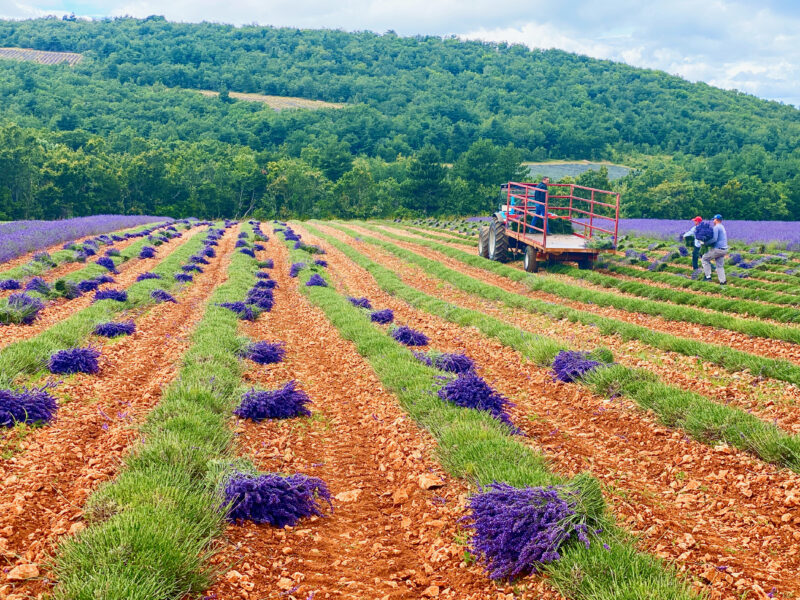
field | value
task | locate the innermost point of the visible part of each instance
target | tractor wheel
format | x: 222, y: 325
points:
x: 530, y: 260
x: 483, y: 242
x: 498, y: 242
x: 587, y: 264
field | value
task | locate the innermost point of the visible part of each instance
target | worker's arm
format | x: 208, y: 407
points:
x: 690, y: 232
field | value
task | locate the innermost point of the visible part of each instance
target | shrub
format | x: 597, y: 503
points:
x: 569, y: 365
x: 519, y: 529
x: 148, y: 275
x: 284, y: 403
x: 107, y: 263
x: 471, y: 391
x: 360, y: 302
x: 410, y: 337
x: 112, y: 329
x: 116, y: 295
x: 274, y: 499
x: 296, y: 268
x: 382, y: 316
x: 147, y: 252
x: 183, y: 277
x: 10, y: 284
x: 38, y: 285
x: 265, y: 353
x: 75, y: 360
x: 26, y: 406
x: 20, y: 308
x: 242, y: 310
x: 316, y: 279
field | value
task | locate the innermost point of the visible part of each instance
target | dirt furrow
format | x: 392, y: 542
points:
x: 52, y: 471
x: 729, y: 519
x: 61, y: 308
x: 393, y: 533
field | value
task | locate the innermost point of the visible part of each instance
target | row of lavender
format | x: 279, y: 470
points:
x: 37, y: 405
x: 19, y: 237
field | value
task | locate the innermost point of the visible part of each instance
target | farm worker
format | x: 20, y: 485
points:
x: 718, y: 245
x: 539, y: 197
x: 697, y: 243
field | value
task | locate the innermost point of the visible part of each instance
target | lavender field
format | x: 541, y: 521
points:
x: 19, y: 237
x: 779, y: 232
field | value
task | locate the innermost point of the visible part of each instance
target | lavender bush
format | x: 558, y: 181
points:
x: 273, y: 499
x: 265, y: 353
x: 75, y: 360
x: 471, y: 391
x: 262, y: 275
x: 262, y: 297
x: 88, y: 285
x: 116, y: 295
x: 68, y: 289
x: 382, y: 316
x: 188, y: 268
x: 198, y: 259
x: 114, y: 329
x: 104, y: 278
x: 26, y: 406
x: 266, y: 284
x: 284, y: 403
x: 409, y: 337
x: 248, y: 252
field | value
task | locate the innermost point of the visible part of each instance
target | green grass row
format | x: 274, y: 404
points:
x: 578, y: 293
x: 701, y: 417
x: 474, y: 446
x: 450, y: 238
x: 28, y: 357
x: 33, y: 268
x: 151, y: 530
x: 759, y: 275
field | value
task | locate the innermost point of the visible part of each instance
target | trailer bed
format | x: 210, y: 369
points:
x: 556, y: 243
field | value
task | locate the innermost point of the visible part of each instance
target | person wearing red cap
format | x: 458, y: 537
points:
x: 697, y: 243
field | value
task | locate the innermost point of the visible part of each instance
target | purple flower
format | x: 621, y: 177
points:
x: 262, y: 297
x: 262, y: 275
x: 267, y: 264
x: 116, y: 295
x: 382, y: 316
x: 38, y: 285
x: 242, y: 310
x: 296, y: 268
x: 471, y: 391
x: 20, y: 308
x: 274, y: 499
x: 75, y: 360
x: 569, y: 365
x: 450, y: 362
x: 107, y: 263
x: 248, y: 252
x: 104, y: 278
x: 113, y: 329
x: 209, y: 252
x: 10, y: 284
x: 321, y: 263
x: 183, y: 277
x: 188, y: 268
x: 409, y: 337
x: 284, y: 403
x: 88, y: 285
x: 316, y: 280
x: 147, y: 252
x: 160, y: 295
x: 26, y: 406
x: 360, y: 302
x: 148, y: 275
x: 198, y: 259
x: 265, y: 353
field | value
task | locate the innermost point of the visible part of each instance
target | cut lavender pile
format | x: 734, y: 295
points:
x: 148, y: 275
x: 248, y: 252
x: 68, y: 289
x: 160, y: 295
x: 112, y: 329
x: 10, y: 284
x: 265, y: 353
x: 683, y: 251
x: 274, y: 499
x: 262, y: 275
x: 20, y: 308
x: 316, y: 280
x: 116, y: 295
x: 570, y: 365
x: 267, y: 264
x: 104, y: 278
x: 295, y: 269
x: 183, y: 277
x: 360, y: 302
x: 188, y: 268
x: 471, y: 391
x: 88, y: 285
x: 450, y: 362
x: 519, y: 529
x: 262, y: 297
x: 38, y: 285
x: 266, y: 284
x: 321, y: 263
x: 284, y: 403
x: 26, y: 406
x: 75, y: 360
x: 409, y: 337
x: 147, y: 252
x: 242, y: 310
x: 107, y: 263
x: 704, y: 231
x: 382, y: 316
x: 198, y: 259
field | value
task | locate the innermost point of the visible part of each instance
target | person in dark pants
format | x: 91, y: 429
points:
x: 696, y: 245
x: 539, y: 197
x: 718, y: 249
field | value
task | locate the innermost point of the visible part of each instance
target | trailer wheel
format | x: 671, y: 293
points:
x: 587, y: 264
x: 498, y: 242
x: 530, y: 260
x: 483, y: 242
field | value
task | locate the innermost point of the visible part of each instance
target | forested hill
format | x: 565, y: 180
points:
x: 414, y: 104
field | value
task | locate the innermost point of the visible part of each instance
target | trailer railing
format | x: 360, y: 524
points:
x: 591, y: 211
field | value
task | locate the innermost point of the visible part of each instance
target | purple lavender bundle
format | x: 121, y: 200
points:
x: 88, y: 285
x: 241, y: 244
x: 38, y: 285
x: 114, y: 329
x: 382, y: 316
x: 321, y: 263
x: 107, y: 263
x: 148, y: 275
x: 265, y: 353
x: 284, y: 403
x: 569, y: 365
x: 242, y: 310
x: 209, y: 252
x: 360, y: 302
x: 75, y: 360
x: 446, y: 361
x: 198, y: 259
x: 20, y: 308
x: 258, y: 247
x: 519, y: 529
x: 471, y: 391
x: 683, y: 251
x: 295, y: 269
x: 704, y: 231
x: 188, y: 268
x: 160, y: 295
x: 262, y: 297
x: 183, y: 277
x: 116, y: 295
x: 147, y: 252
x: 262, y: 275
x: 104, y: 278
x: 267, y: 264
x: 248, y: 251
x: 410, y: 337
x: 266, y: 284
x: 10, y: 284
x: 26, y: 406
x: 316, y: 280
x: 274, y: 499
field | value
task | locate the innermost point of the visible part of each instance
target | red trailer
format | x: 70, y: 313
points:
x: 559, y: 223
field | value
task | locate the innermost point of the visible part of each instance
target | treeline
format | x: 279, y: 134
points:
x: 415, y: 102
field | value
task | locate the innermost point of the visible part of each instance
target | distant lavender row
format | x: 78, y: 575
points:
x: 19, y: 237
x: 784, y: 232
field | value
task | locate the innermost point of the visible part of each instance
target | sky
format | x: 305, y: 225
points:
x: 751, y: 46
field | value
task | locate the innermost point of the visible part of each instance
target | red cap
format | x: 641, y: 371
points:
x: 697, y: 219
